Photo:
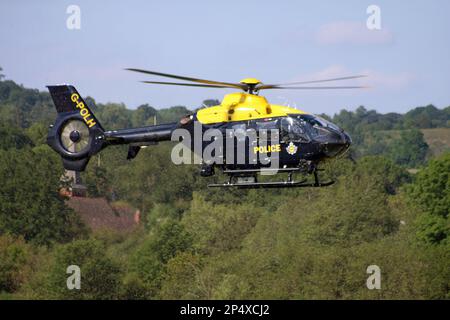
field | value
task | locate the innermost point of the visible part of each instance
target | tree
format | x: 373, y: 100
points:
x: 13, y: 138
x: 219, y: 227
x: 384, y: 173
x: 96, y: 180
x: 163, y: 243
x: 143, y: 115
x: 15, y: 258
x: 431, y: 192
x: 410, y: 150
x: 180, y: 280
x: 2, y: 76
x: 426, y: 117
x: 152, y: 178
x: 100, y: 274
x: 114, y: 116
x: 172, y: 114
x: 30, y: 203
x: 37, y: 132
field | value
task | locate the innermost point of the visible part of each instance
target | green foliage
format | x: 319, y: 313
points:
x: 426, y: 117
x: 433, y: 229
x: 30, y: 204
x: 431, y: 192
x: 312, y: 272
x: 180, y: 281
x: 384, y: 173
x: 114, y: 115
x: 369, y: 120
x: 96, y: 180
x: 172, y: 114
x: 410, y: 150
x: 100, y: 275
x: 21, y: 107
x: 12, y: 138
x: 199, y: 243
x: 143, y: 115
x: 372, y: 132
x: 15, y: 258
x: 37, y: 133
x: 153, y: 178
x: 217, y: 227
x: 162, y: 244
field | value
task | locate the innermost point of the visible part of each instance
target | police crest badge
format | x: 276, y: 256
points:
x: 291, y: 148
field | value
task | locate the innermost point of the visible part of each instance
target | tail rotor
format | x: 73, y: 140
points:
x: 76, y: 134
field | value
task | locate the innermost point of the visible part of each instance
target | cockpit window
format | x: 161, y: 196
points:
x: 267, y: 125
x: 238, y: 131
x: 318, y: 121
x: 293, y: 130
x: 328, y: 124
x: 267, y: 129
x: 316, y: 127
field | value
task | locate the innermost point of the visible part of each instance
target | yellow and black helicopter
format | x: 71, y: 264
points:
x: 299, y: 141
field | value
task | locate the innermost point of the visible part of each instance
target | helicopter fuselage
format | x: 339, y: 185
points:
x: 245, y: 135
x: 250, y: 135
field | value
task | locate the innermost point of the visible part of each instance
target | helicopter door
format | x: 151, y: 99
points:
x: 237, y: 143
x: 268, y: 144
x: 293, y: 139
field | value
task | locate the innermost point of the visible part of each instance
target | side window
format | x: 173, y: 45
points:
x: 315, y: 127
x: 267, y: 125
x: 292, y: 130
x: 238, y: 131
x: 264, y: 127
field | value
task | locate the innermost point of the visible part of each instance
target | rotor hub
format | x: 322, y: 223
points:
x: 75, y: 136
x: 250, y: 84
x: 250, y: 81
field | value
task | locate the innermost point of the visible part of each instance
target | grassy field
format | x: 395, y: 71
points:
x: 438, y: 139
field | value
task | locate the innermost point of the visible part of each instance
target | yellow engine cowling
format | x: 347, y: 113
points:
x: 243, y: 106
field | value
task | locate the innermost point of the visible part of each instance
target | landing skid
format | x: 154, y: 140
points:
x: 267, y: 185
x: 244, y: 182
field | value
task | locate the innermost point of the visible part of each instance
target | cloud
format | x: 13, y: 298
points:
x: 332, y: 71
x: 391, y: 81
x: 376, y: 80
x: 356, y: 33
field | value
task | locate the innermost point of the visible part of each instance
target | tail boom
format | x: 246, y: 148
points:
x: 77, y: 134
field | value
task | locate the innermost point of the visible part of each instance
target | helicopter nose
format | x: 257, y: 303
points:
x: 347, y: 139
x: 337, y: 145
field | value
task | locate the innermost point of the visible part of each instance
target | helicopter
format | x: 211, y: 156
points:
x: 298, y: 143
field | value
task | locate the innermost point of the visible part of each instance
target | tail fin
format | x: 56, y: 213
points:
x: 76, y: 134
x: 67, y: 99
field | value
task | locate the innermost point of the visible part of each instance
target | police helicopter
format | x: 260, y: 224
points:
x: 301, y: 140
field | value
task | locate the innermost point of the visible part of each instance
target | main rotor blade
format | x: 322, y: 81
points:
x: 314, y: 88
x: 186, y: 84
x: 267, y: 86
x: 212, y: 82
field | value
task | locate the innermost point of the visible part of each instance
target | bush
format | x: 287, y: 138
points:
x: 15, y: 256
x: 431, y: 193
x: 100, y: 275
x: 30, y: 203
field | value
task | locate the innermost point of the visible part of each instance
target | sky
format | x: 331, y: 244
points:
x: 407, y: 60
